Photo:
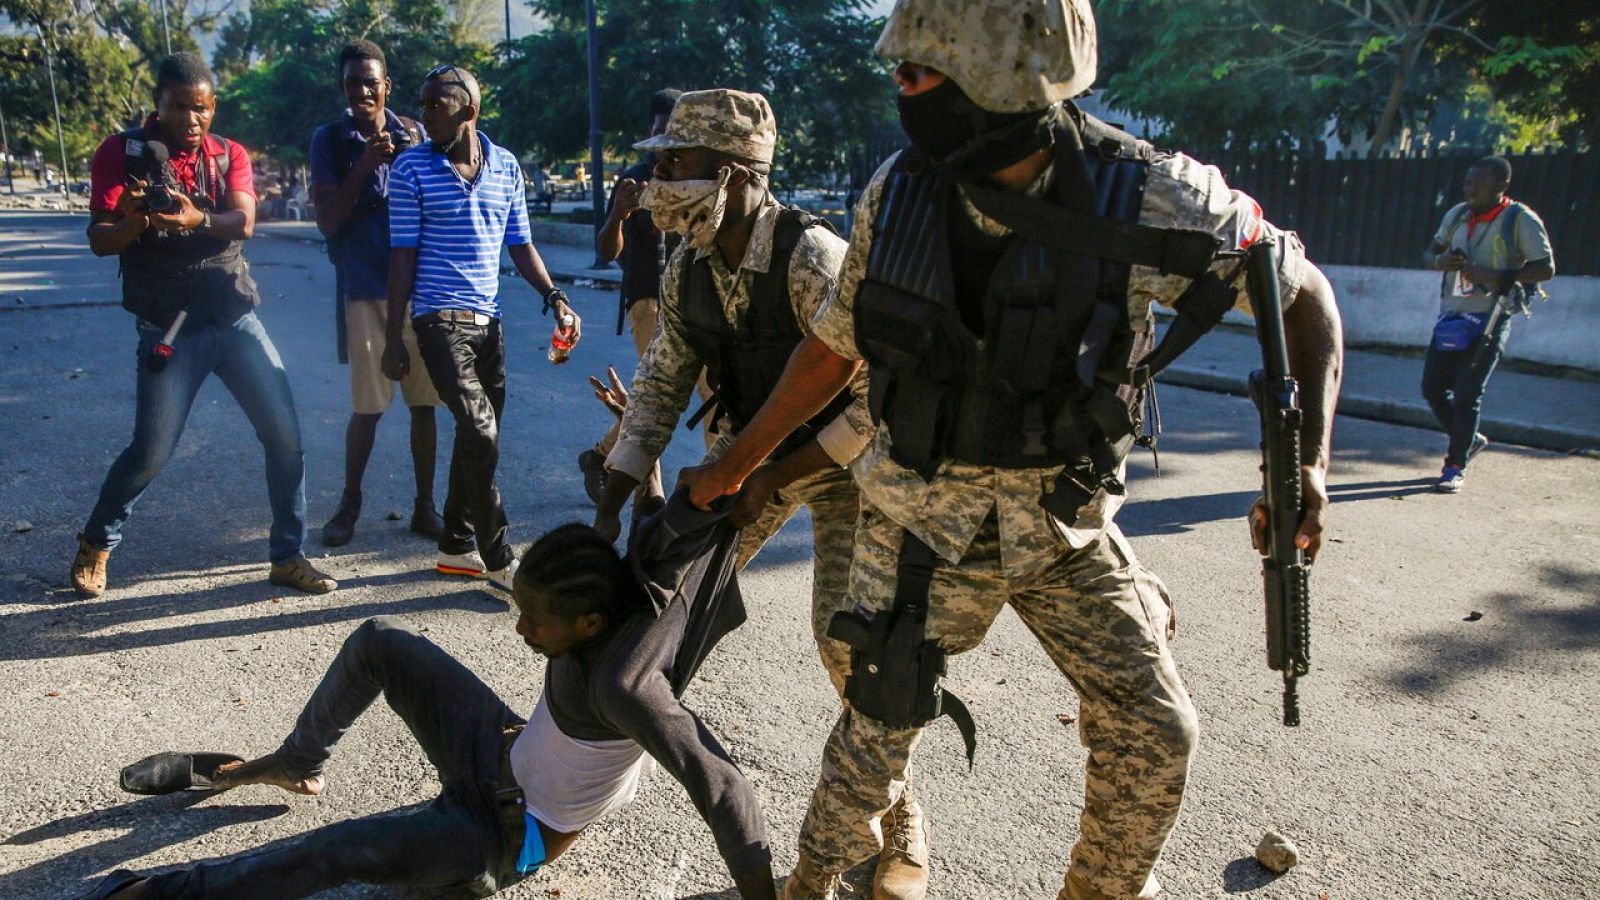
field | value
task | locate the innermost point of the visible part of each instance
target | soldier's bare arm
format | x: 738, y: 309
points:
x: 1316, y: 358
x: 814, y: 375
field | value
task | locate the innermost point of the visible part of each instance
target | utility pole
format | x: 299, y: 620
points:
x: 597, y: 176
x: 166, y: 35
x: 61, y: 140
x: 508, y: 23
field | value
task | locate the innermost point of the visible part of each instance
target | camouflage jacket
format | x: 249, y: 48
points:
x: 667, y: 372
x: 947, y: 511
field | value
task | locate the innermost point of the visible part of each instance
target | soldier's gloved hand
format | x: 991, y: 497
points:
x: 1314, y: 492
x: 708, y: 482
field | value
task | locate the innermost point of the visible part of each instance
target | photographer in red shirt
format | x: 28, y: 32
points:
x: 175, y: 204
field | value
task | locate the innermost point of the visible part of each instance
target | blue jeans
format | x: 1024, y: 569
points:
x: 242, y: 355
x: 1453, y: 382
x: 458, y: 840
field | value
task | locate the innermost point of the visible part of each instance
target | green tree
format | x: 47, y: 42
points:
x: 1248, y: 73
x: 1539, y: 62
x: 812, y: 59
x: 277, y: 63
x: 94, y: 78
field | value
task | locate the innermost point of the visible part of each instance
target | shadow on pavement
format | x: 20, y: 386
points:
x: 1560, y: 615
x: 1175, y: 515
x: 60, y: 631
x: 152, y: 823
x: 1376, y: 490
x: 1244, y: 875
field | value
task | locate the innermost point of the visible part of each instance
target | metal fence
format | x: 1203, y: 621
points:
x: 1383, y: 211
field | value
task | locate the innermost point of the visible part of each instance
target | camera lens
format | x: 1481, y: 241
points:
x: 159, y: 200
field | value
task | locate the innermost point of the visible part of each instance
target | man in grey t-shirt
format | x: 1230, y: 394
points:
x: 1485, y: 247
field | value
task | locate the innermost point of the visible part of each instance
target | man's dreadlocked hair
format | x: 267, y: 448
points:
x: 577, y: 571
x: 184, y: 69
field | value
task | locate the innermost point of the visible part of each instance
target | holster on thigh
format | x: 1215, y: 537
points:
x: 896, y: 672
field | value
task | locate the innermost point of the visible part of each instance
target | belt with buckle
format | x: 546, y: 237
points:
x: 459, y: 316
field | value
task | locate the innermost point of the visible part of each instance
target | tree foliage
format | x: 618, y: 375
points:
x: 1252, y: 73
x: 812, y: 59
x: 278, y: 68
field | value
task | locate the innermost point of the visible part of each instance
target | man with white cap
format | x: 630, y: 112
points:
x: 999, y: 282
x: 737, y: 296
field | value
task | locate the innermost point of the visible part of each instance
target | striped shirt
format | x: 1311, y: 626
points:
x: 457, y: 227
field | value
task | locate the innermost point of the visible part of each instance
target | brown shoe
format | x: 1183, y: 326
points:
x: 903, y: 865
x: 300, y: 574
x: 806, y: 883
x: 89, y: 569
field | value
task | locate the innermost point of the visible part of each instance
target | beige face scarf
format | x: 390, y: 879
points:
x: 693, y: 209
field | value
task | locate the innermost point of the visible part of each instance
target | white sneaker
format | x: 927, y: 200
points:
x: 502, y: 578
x: 468, y: 564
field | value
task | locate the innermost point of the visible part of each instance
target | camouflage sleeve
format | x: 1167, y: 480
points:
x: 813, y: 276
x: 662, y: 385
x: 1182, y: 192
x: 835, y: 322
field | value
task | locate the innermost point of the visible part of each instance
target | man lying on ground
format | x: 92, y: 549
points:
x: 622, y: 638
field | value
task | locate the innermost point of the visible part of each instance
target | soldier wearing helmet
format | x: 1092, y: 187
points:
x: 999, y: 284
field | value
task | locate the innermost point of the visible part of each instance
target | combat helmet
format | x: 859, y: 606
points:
x: 1007, y: 55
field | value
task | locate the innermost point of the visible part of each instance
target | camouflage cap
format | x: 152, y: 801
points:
x: 1007, y: 55
x: 734, y: 122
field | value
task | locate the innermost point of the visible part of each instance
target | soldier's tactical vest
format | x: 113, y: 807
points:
x: 163, y: 273
x: 1038, y: 366
x: 743, y: 364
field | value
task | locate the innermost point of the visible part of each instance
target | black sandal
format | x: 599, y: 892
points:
x: 168, y: 773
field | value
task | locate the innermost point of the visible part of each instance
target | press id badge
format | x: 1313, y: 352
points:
x: 1464, y: 286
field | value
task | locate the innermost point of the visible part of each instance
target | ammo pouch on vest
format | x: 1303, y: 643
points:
x: 744, y: 363
x: 1056, y: 374
x: 895, y: 670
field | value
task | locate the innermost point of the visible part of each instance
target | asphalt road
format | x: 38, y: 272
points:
x: 1440, y: 757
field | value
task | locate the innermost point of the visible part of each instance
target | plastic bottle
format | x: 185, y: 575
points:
x: 562, y: 339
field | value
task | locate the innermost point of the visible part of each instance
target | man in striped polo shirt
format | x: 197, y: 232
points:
x: 453, y: 202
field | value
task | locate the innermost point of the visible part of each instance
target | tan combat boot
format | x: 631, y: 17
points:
x: 806, y: 883
x: 903, y: 865
x: 89, y: 569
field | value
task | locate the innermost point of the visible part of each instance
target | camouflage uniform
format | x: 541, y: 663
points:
x: 1101, y: 617
x: 665, y: 379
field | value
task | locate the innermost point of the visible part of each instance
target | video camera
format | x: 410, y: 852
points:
x: 158, y: 196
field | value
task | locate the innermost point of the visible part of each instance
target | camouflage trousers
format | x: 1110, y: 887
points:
x: 834, y: 503
x: 1103, y: 620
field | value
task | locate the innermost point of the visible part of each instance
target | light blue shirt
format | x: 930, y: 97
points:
x: 457, y: 226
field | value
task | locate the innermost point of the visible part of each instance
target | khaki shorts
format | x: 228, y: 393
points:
x: 371, y: 391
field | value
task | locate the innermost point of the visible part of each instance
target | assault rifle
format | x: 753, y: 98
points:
x: 1283, y: 568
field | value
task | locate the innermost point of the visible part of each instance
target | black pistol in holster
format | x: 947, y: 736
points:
x: 895, y: 670
x: 1284, y: 568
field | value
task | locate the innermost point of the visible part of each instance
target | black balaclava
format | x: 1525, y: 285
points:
x: 955, y: 133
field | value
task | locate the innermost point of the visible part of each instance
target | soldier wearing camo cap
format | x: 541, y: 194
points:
x: 736, y: 298
x: 998, y: 282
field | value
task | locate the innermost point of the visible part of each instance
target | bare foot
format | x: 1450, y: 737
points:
x: 267, y: 770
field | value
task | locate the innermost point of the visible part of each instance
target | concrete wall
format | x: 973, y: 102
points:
x: 1397, y: 308
x: 562, y: 233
